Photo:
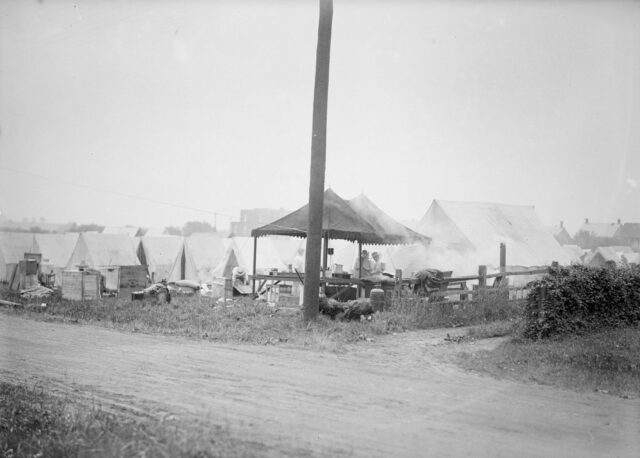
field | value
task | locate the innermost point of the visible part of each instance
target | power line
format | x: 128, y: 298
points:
x: 109, y: 191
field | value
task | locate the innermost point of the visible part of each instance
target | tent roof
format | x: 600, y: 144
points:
x: 105, y: 250
x: 161, y: 249
x: 340, y: 220
x: 482, y: 226
x: 393, y: 232
x: 14, y: 245
x: 56, y: 249
x: 206, y: 251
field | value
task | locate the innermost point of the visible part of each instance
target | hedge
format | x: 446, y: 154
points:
x: 578, y: 299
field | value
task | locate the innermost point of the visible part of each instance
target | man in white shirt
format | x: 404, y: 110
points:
x: 377, y: 266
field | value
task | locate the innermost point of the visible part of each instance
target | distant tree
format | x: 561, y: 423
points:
x: 173, y: 230
x: 590, y: 240
x: 74, y: 227
x: 196, y: 226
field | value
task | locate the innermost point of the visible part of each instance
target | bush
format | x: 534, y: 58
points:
x: 578, y: 299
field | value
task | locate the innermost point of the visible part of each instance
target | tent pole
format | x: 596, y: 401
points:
x: 325, y: 254
x: 255, y: 249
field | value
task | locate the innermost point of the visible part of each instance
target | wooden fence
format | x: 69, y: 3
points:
x: 452, y: 287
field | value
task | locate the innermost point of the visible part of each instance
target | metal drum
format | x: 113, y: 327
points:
x: 377, y: 299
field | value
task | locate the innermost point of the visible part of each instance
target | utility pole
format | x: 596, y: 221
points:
x: 318, y: 161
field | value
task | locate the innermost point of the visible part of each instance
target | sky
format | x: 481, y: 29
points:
x: 157, y: 113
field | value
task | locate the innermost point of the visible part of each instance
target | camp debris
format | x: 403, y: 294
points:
x: 159, y: 291
x: 184, y: 287
x: 35, y: 291
x: 346, y: 311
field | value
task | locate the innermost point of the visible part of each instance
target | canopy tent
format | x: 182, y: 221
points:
x: 339, y: 221
x: 13, y: 246
x: 56, y: 251
x: 358, y: 220
x: 472, y: 233
x: 391, y: 231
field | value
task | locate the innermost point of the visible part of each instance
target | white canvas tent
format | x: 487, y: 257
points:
x: 13, y: 246
x: 103, y: 250
x: 206, y: 250
x: 166, y: 258
x: 56, y: 252
x: 268, y: 256
x: 470, y: 234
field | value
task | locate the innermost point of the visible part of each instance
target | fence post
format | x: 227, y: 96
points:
x: 82, y: 285
x: 482, y: 281
x: 398, y: 285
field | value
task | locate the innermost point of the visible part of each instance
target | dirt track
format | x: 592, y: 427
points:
x: 388, y: 398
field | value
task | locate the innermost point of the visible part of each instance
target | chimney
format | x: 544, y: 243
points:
x: 561, y: 223
x: 586, y: 221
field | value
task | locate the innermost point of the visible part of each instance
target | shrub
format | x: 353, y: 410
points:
x: 581, y: 299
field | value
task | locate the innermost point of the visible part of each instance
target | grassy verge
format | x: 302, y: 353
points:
x: 246, y: 321
x: 606, y: 361
x: 35, y: 424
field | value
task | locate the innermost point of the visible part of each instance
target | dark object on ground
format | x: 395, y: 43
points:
x: 428, y: 280
x: 159, y: 291
x: 340, y: 293
x: 347, y: 311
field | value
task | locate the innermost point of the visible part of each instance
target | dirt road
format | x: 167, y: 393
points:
x: 387, y: 398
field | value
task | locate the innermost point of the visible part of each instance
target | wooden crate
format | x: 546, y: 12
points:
x: 133, y: 277
x: 80, y: 285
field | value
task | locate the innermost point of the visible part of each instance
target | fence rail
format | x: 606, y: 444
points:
x: 500, y: 285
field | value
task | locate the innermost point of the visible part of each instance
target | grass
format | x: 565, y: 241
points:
x: 607, y: 361
x: 413, y: 312
x: 34, y: 423
x: 247, y: 321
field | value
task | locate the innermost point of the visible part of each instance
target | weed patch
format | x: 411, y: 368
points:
x: 608, y: 361
x: 34, y: 423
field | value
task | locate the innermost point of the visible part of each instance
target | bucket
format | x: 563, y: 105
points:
x: 377, y: 299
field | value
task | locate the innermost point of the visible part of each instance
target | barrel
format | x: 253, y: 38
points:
x: 377, y: 299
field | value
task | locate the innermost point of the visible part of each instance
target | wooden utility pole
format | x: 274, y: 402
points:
x: 318, y: 161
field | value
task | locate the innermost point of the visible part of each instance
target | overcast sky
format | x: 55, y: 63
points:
x: 108, y: 108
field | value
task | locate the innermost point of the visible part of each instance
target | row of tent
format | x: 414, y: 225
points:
x: 200, y: 257
x: 455, y: 236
